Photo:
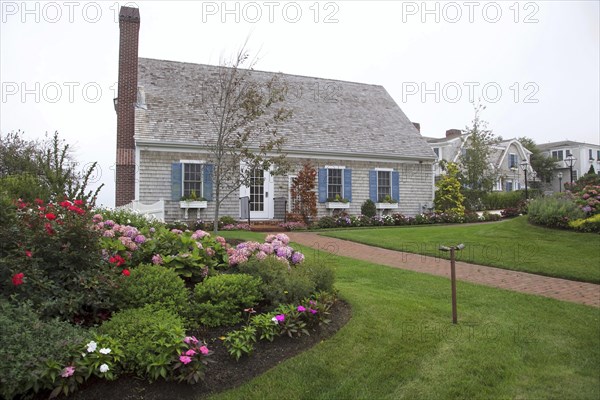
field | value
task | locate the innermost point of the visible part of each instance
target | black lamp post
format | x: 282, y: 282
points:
x: 524, y: 166
x: 570, y: 160
x: 560, y: 181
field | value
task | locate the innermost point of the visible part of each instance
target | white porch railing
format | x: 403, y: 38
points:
x: 151, y: 211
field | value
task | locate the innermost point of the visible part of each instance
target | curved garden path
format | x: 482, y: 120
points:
x: 561, y: 289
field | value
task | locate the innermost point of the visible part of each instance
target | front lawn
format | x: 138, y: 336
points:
x: 512, y: 244
x: 400, y: 343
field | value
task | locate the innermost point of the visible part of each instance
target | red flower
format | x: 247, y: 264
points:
x: 21, y: 204
x: 17, y: 279
x: 76, y: 210
x: 51, y: 216
x: 78, y: 202
x: 65, y: 203
x: 49, y: 229
x: 126, y: 272
x: 39, y: 202
x: 28, y: 253
x: 117, y: 259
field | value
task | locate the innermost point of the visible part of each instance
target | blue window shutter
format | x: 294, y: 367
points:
x: 207, y: 181
x: 396, y: 185
x: 322, y: 185
x: 348, y: 184
x: 176, y: 190
x: 373, y: 185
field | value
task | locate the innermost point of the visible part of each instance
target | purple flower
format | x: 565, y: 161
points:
x: 280, y: 317
x: 109, y: 233
x: 297, y: 257
x: 157, y: 259
x: 199, y: 234
x: 110, y: 223
x: 190, y: 339
x: 301, y: 309
x: 313, y: 312
x: 140, y: 239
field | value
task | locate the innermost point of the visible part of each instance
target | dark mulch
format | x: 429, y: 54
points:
x: 225, y: 373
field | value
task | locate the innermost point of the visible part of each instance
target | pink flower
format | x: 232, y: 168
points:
x: 68, y: 371
x: 190, y: 352
x: 126, y: 272
x: 190, y: 339
x: 97, y: 218
x: 185, y: 359
x: 210, y: 252
x: 28, y: 253
x: 280, y: 317
x: 204, y: 350
x: 301, y: 309
x: 221, y: 240
x: 157, y: 259
x: 313, y: 312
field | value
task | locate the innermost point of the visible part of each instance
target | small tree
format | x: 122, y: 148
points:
x: 304, y: 197
x: 477, y: 172
x: 591, y: 170
x: 544, y: 166
x: 368, y: 208
x: 244, y: 114
x: 448, y: 197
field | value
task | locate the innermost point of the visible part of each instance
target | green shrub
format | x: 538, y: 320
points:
x: 368, y: 208
x: 25, y: 186
x: 53, y: 248
x: 154, y: 284
x: 220, y: 300
x: 554, y: 212
x: 281, y: 284
x: 150, y: 337
x: 327, y: 222
x: 240, y: 342
x: 591, y: 224
x: 27, y: 345
x: 227, y: 220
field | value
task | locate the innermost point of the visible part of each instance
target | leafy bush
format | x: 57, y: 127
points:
x: 266, y: 328
x: 28, y: 345
x: 554, y: 212
x: 510, y: 212
x: 240, y: 342
x: 192, y: 362
x: 591, y: 224
x: 368, y: 208
x: 56, y: 255
x: 281, y: 284
x: 227, y: 220
x: 290, y: 320
x: 26, y: 187
x: 327, y: 222
x: 153, y: 284
x: 150, y: 338
x: 220, y: 300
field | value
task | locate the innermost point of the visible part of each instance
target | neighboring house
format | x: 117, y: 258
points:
x: 585, y: 154
x: 361, y: 143
x: 506, y: 158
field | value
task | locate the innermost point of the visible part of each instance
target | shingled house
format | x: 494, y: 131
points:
x: 361, y: 142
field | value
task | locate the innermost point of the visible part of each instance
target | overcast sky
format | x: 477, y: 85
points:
x: 534, y: 64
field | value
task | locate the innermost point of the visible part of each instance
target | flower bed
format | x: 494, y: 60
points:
x: 144, y: 287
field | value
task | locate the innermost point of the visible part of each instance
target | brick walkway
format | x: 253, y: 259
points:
x: 556, y: 288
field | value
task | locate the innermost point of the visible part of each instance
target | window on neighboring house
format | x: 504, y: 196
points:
x: 509, y: 186
x: 557, y: 155
x: 567, y: 153
x: 335, y: 183
x: 591, y: 154
x: 436, y: 150
x: 598, y: 156
x: 192, y: 179
x: 513, y: 161
x: 384, y: 185
x: 575, y: 175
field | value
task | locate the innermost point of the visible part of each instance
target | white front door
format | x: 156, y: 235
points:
x: 260, y: 193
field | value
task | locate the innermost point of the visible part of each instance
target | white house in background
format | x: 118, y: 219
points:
x: 584, y: 154
x: 506, y: 158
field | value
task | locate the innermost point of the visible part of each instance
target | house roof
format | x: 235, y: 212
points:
x: 563, y: 143
x: 329, y: 116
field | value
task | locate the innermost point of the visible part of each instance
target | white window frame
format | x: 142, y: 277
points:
x: 562, y: 154
x: 327, y: 168
x: 389, y: 171
x: 510, y: 157
x: 183, y: 163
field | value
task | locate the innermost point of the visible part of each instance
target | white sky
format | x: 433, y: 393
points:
x: 543, y: 56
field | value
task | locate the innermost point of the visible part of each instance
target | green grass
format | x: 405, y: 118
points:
x: 400, y: 343
x: 513, y: 244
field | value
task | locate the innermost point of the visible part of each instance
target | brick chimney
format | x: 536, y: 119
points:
x: 452, y: 133
x: 129, y: 26
x: 417, y: 125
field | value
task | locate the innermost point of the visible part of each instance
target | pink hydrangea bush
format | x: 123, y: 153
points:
x: 275, y: 245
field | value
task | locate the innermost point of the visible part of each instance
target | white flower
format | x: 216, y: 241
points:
x: 91, y: 346
x: 104, y: 368
x: 274, y: 319
x: 104, y: 351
